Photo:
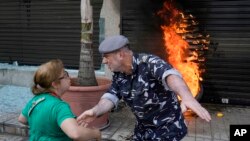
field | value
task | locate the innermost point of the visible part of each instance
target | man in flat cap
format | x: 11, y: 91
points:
x: 149, y: 86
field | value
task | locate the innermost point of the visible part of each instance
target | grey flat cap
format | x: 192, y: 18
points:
x: 113, y: 43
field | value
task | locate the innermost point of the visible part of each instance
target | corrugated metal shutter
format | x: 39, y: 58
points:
x: 227, y: 77
x: 34, y: 31
x: 10, y: 30
x: 140, y: 26
x: 228, y: 22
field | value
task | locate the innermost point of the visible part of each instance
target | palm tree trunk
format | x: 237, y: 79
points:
x: 86, y: 75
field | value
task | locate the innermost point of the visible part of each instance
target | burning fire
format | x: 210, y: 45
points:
x: 175, y: 31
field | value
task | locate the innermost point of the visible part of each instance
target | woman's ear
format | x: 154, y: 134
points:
x: 54, y: 84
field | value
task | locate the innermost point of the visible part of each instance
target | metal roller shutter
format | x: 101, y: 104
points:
x: 227, y: 77
x: 34, y: 31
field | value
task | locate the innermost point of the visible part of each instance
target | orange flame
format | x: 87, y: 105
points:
x: 177, y: 48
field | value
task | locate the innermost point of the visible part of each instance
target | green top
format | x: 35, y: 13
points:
x: 44, y: 114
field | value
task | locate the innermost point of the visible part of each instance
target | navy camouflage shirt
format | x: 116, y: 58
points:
x: 155, y: 107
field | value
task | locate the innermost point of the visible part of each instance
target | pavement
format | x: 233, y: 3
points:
x: 122, y: 121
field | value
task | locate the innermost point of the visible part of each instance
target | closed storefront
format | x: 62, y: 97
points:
x: 227, y: 61
x: 34, y: 31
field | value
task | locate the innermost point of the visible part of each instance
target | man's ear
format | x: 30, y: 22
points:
x: 121, y: 54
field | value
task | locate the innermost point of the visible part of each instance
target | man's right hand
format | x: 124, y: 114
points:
x: 103, y: 106
x: 86, y: 117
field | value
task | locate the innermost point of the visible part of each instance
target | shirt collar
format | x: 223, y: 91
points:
x: 134, y: 63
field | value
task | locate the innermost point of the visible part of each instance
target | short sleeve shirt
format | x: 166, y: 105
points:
x: 147, y: 93
x: 45, y: 113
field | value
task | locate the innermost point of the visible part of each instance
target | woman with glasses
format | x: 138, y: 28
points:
x: 48, y: 117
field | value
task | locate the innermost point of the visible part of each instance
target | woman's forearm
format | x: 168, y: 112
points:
x: 88, y: 134
x: 22, y: 119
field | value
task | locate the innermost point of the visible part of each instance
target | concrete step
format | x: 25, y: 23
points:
x: 10, y: 125
x: 11, y: 137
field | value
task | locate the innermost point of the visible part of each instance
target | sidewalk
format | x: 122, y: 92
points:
x: 122, y: 124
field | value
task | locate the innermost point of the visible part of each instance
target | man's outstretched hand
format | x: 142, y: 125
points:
x: 195, y: 106
x: 86, y: 117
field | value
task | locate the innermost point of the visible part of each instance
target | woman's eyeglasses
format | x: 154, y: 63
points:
x: 65, y: 75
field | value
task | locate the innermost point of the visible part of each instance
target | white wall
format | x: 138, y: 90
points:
x: 111, y: 13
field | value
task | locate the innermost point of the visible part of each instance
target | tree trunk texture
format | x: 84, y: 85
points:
x: 86, y: 75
